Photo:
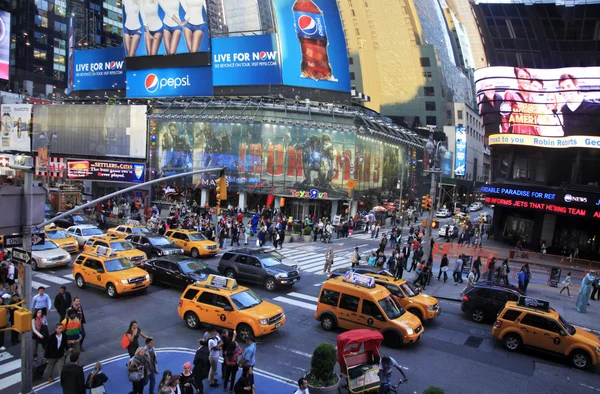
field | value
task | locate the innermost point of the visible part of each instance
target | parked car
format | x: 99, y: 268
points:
x: 259, y: 265
x: 48, y: 255
x: 361, y: 269
x: 154, y: 245
x: 485, y: 300
x: 443, y: 213
x: 177, y: 271
x: 82, y: 233
x: 447, y: 230
x: 72, y: 220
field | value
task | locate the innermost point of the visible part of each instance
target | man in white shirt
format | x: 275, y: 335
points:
x: 214, y: 347
x: 302, y: 386
x: 386, y: 366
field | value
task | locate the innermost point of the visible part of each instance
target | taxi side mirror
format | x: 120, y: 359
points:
x: 228, y: 309
x: 100, y: 270
x: 563, y: 333
x: 380, y: 317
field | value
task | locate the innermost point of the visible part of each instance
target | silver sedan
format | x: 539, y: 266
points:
x: 48, y: 255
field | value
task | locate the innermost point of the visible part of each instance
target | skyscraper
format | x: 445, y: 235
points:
x: 248, y: 16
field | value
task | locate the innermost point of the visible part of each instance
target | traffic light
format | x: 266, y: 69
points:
x: 435, y: 224
x: 221, y: 188
x: 22, y: 320
x: 424, y: 201
x: 428, y: 202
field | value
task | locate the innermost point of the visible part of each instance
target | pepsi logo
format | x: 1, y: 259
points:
x: 151, y: 83
x: 262, y: 55
x: 112, y: 65
x: 307, y: 24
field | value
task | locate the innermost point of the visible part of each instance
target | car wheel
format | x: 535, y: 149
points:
x: 478, y: 315
x: 328, y: 323
x: 111, y: 290
x: 392, y: 339
x: 195, y: 253
x: 512, y: 342
x: 245, y: 331
x: 230, y: 274
x: 580, y: 359
x: 270, y: 284
x: 417, y: 313
x: 192, y: 321
x: 34, y: 265
x: 79, y: 281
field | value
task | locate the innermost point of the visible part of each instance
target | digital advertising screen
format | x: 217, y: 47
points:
x: 108, y: 171
x: 71, y: 56
x: 313, y: 46
x: 99, y: 69
x: 553, y: 108
x: 4, y: 44
x: 14, y: 128
x: 460, y: 163
x: 170, y: 82
x: 246, y: 60
x: 165, y: 27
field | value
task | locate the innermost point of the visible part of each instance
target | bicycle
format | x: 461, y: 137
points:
x: 393, y: 389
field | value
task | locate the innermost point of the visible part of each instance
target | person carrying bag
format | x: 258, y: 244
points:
x: 95, y: 380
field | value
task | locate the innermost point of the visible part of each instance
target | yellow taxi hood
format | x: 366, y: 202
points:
x: 65, y: 241
x: 587, y: 336
x: 264, y: 310
x: 205, y: 242
x: 409, y: 320
x: 424, y: 299
x: 129, y: 253
x: 128, y: 273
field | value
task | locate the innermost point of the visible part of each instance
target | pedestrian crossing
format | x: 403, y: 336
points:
x: 10, y: 370
x: 314, y: 262
x: 46, y: 280
x: 298, y: 299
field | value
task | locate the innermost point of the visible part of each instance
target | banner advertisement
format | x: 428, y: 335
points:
x: 246, y: 60
x: 460, y: 163
x: 108, y: 171
x: 170, y: 82
x: 99, y: 69
x: 4, y: 44
x: 15, y: 128
x: 547, y: 107
x: 313, y: 45
x: 91, y: 130
x: 71, y: 56
x: 169, y: 27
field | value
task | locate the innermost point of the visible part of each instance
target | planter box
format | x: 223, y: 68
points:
x: 324, y: 390
x: 288, y: 238
x: 307, y: 238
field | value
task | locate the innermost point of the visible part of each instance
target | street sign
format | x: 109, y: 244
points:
x: 21, y: 256
x: 351, y: 184
x: 13, y: 241
x: 38, y: 239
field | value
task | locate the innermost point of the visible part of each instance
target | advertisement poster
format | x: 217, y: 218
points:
x: 71, y: 55
x: 246, y: 60
x: 540, y: 107
x: 4, y: 44
x: 14, y: 128
x: 165, y: 27
x: 94, y: 170
x: 313, y: 46
x: 170, y: 82
x: 99, y: 69
x: 460, y: 163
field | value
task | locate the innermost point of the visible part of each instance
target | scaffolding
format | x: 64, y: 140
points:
x: 86, y: 25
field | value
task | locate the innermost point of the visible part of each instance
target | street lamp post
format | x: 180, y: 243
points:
x: 435, y: 149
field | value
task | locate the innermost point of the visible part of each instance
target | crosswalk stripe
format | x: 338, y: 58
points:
x: 307, y: 259
x: 68, y: 276
x: 5, y: 356
x: 36, y: 285
x: 318, y: 284
x: 11, y: 366
x: 303, y: 296
x: 293, y: 253
x: 300, y: 304
x: 50, y: 278
x: 335, y: 266
x: 10, y: 380
x: 316, y: 263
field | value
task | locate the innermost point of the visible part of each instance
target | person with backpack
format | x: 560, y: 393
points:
x: 96, y: 379
x: 137, y: 369
x: 355, y: 259
x: 232, y: 353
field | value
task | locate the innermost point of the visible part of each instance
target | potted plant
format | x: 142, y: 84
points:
x: 288, y: 237
x: 307, y: 233
x: 321, y: 377
x: 296, y: 231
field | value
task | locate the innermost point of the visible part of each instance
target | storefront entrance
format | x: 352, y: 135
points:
x: 300, y: 208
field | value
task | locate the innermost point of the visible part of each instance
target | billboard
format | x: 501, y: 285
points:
x: 460, y: 162
x: 246, y: 60
x: 4, y: 44
x: 165, y: 27
x: 98, y: 69
x: 14, y: 128
x: 556, y: 108
x: 170, y: 82
x: 312, y: 43
x: 108, y: 171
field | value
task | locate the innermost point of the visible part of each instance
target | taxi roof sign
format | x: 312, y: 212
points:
x: 534, y: 303
x: 221, y: 282
x: 359, y: 280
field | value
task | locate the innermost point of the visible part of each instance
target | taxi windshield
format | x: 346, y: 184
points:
x: 48, y: 245
x: 390, y: 308
x: 91, y: 231
x: 120, y: 246
x: 140, y: 230
x: 570, y: 329
x: 245, y: 299
x: 197, y: 237
x: 57, y: 234
x: 118, y: 265
x: 409, y: 290
x: 189, y: 266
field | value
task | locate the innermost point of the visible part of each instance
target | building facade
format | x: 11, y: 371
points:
x: 244, y: 17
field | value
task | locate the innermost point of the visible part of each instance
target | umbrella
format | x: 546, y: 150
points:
x: 379, y: 208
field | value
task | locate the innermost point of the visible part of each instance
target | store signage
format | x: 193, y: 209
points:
x: 95, y: 170
x: 313, y: 193
x: 546, y: 207
x: 572, y: 198
x: 460, y: 163
x: 170, y: 82
x: 519, y: 193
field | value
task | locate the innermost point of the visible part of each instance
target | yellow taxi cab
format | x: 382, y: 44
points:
x: 124, y: 230
x: 193, y: 242
x: 220, y: 301
x: 104, y: 270
x: 531, y: 322
x: 355, y: 301
x: 414, y: 301
x: 119, y: 247
x: 62, y: 239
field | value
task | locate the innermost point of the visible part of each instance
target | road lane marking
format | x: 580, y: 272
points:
x: 11, y: 366
x: 37, y: 285
x: 50, y: 278
x: 10, y: 380
x: 305, y: 305
x: 303, y: 296
x: 293, y: 351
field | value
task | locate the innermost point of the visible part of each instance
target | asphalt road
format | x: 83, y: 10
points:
x: 454, y: 353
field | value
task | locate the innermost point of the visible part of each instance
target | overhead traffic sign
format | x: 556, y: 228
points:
x: 13, y: 241
x: 21, y: 256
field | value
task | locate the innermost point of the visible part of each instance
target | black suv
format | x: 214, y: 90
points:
x: 484, y: 301
x: 264, y: 266
x: 154, y: 245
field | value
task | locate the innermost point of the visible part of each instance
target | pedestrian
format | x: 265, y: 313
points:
x: 584, y: 291
x: 328, y: 261
x: 470, y: 282
x: 172, y: 385
x: 245, y: 383
x: 372, y: 259
x: 521, y: 279
x: 226, y: 340
x: 526, y: 278
x: 39, y: 326
x: 133, y: 333
x: 457, y: 272
x: 165, y: 380
x: 247, y: 233
x: 232, y: 353
x: 55, y: 353
x: 543, y: 248
x: 150, y: 355
x: 281, y: 237
x: 11, y: 275
x: 566, y: 285
x: 386, y: 366
x: 382, y: 243
x: 355, y: 259
x: 502, y: 272
x: 477, y: 267
x: 72, y: 329
x: 302, y: 386
x: 249, y: 355
x: 81, y: 316
x: 491, y: 268
x: 96, y: 379
x: 214, y: 349
x: 444, y: 267
x: 137, y: 369
x: 201, y: 365
x: 186, y: 380
x: 72, y: 378
x: 62, y: 302
x: 595, y: 288
x: 399, y: 266
x: 41, y: 301
x: 420, y: 272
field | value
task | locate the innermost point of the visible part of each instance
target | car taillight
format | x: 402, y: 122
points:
x: 180, y: 303
x: 498, y: 324
x: 465, y: 299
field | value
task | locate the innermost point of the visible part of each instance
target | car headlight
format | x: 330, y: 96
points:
x: 43, y: 260
x: 147, y: 276
x: 431, y: 308
x: 281, y: 275
x: 160, y: 253
x: 124, y: 281
x: 205, y: 247
x: 598, y: 349
x: 409, y: 331
x: 264, y: 322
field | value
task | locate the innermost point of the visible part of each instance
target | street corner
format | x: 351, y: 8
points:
x: 170, y: 359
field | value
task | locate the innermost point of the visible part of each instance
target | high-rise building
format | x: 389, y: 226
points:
x: 465, y: 14
x: 216, y: 19
x: 248, y: 16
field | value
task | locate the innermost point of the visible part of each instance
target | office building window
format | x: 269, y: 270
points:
x: 448, y: 114
x: 431, y: 120
x: 429, y: 105
x: 427, y: 75
x: 62, y: 27
x: 459, y: 114
x: 425, y: 62
x: 41, y: 37
x: 41, y: 21
x: 350, y: 60
x: 429, y: 91
x: 460, y: 125
x: 357, y: 31
x: 39, y: 54
x: 352, y: 76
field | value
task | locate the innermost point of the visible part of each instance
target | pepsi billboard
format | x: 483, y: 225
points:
x: 313, y: 46
x: 99, y: 69
x: 4, y: 44
x: 170, y: 82
x: 246, y: 60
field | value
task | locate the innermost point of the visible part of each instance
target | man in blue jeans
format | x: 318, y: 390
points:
x: 386, y: 366
x: 152, y: 362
